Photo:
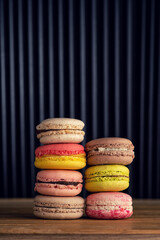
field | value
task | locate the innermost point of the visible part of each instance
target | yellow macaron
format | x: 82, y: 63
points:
x: 103, y: 178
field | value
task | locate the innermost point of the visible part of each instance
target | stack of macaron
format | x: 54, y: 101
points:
x: 107, y: 176
x: 58, y: 184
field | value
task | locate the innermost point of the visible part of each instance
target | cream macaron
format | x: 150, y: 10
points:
x: 60, y: 130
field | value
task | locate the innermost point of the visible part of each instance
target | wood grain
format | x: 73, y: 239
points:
x: 18, y: 222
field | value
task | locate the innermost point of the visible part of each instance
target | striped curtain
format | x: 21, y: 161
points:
x: 98, y: 61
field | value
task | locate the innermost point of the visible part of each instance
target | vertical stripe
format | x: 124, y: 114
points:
x: 41, y: 60
x: 61, y: 55
x: 12, y: 99
x: 51, y: 58
x: 31, y: 92
x: 129, y: 79
x: 94, y: 70
x: 83, y: 61
x: 71, y: 60
x: 117, y: 69
x: 158, y: 123
x: 83, y: 73
x: 3, y: 102
x: 150, y: 112
x: 105, y: 67
x: 129, y: 70
x: 142, y: 100
x: 21, y: 97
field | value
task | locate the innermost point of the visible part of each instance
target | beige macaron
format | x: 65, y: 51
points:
x: 60, y: 130
x: 58, y: 207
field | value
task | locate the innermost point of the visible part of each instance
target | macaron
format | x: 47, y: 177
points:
x: 109, y: 205
x: 59, y: 182
x: 60, y: 130
x: 60, y: 156
x: 104, y: 178
x: 109, y: 151
x: 58, y: 207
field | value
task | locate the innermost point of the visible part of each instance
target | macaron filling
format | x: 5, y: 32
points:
x: 109, y: 146
x: 108, y: 178
x: 111, y: 151
x: 57, y: 210
x: 60, y: 182
x: 49, y: 132
x: 101, y: 149
x: 110, y: 207
x: 108, y: 175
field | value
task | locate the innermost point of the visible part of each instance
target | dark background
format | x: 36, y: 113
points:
x: 98, y: 61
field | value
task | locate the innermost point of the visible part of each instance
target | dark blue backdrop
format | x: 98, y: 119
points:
x: 98, y: 61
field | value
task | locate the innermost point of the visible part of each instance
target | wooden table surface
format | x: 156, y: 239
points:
x: 18, y: 222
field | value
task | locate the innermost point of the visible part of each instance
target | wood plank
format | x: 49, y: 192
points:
x: 80, y: 237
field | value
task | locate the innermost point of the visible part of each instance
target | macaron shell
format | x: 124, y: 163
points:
x: 59, y: 175
x: 60, y: 123
x: 109, y: 170
x: 62, y: 138
x: 109, y: 142
x: 109, y: 199
x: 66, y: 214
x: 59, y: 202
x: 73, y: 162
x: 113, y: 212
x: 58, y: 190
x: 59, y: 149
x: 104, y: 159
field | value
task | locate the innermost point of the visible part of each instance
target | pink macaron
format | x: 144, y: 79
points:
x: 59, y: 182
x: 109, y: 205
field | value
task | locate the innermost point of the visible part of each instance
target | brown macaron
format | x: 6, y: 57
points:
x: 109, y: 151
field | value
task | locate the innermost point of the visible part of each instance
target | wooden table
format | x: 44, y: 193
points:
x: 18, y: 222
